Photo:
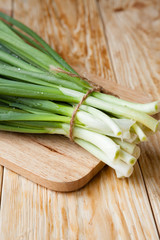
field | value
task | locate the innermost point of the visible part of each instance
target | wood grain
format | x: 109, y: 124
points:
x: 106, y: 207
x: 136, y: 61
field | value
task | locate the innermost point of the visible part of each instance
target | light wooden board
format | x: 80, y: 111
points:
x: 106, y: 207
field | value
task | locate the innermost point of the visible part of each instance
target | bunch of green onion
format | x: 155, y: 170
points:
x: 36, y: 98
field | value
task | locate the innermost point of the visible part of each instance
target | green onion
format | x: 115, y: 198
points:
x: 31, y: 33
x: 15, y: 61
x: 141, y: 135
x: 149, y: 108
x: 39, y: 92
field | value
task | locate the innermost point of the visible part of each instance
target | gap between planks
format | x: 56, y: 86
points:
x: 1, y: 182
x: 1, y: 167
x: 114, y: 74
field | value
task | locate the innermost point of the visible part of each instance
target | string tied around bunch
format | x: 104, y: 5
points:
x: 95, y: 88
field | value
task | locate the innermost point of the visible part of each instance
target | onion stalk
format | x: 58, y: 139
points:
x: 39, y: 92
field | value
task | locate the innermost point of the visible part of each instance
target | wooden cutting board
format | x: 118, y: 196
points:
x: 53, y: 161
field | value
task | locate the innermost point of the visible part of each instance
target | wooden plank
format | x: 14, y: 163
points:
x: 5, y: 6
x: 106, y: 206
x: 135, y: 54
x: 135, y: 58
x: 117, y: 207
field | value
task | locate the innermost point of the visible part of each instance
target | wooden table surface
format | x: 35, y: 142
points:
x: 120, y: 41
